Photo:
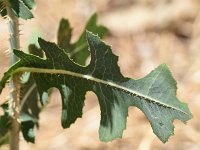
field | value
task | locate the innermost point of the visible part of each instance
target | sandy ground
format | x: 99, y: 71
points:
x: 144, y: 34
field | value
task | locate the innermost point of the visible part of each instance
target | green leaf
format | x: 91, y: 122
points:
x: 28, y: 131
x: 22, y: 8
x: 3, y: 10
x: 64, y: 34
x: 78, y: 51
x: 30, y: 107
x: 154, y: 95
x: 5, y: 124
x: 29, y: 3
x: 27, y: 126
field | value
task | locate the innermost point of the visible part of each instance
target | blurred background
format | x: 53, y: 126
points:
x: 144, y: 34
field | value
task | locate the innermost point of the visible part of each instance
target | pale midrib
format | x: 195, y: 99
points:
x: 88, y: 77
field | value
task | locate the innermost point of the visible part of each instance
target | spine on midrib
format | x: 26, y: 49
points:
x: 91, y: 78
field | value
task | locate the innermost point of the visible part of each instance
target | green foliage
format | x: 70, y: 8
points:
x: 4, y: 125
x: 3, y: 11
x: 64, y: 35
x: 27, y: 126
x: 78, y: 50
x: 21, y: 8
x: 30, y: 107
x: 154, y: 94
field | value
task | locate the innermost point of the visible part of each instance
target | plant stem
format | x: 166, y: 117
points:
x: 13, y: 26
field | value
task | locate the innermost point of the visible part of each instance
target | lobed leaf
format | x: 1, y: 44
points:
x: 30, y: 107
x: 154, y: 95
x: 78, y: 50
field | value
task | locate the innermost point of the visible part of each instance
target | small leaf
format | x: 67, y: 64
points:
x: 80, y: 52
x: 22, y: 8
x: 5, y: 121
x: 64, y: 34
x: 3, y: 10
x: 154, y: 94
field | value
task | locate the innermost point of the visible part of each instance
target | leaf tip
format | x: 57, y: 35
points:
x: 89, y: 34
x: 40, y: 40
x: 28, y: 18
x: 42, y: 43
x: 17, y: 52
x: 94, y: 16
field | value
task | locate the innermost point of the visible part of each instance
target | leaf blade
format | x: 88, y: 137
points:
x: 156, y: 91
x: 22, y: 8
